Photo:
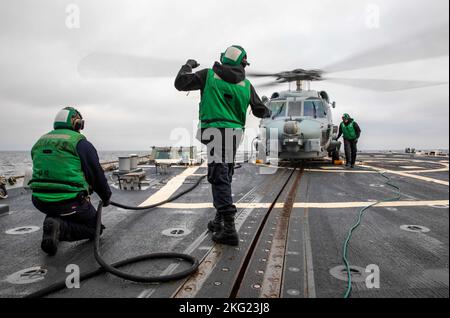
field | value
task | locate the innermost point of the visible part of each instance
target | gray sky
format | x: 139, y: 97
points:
x: 39, y: 59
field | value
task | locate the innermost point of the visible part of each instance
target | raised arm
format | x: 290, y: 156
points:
x: 258, y: 108
x: 188, y: 81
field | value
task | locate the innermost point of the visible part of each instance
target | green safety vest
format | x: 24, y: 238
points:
x: 349, y: 131
x: 57, y: 173
x: 224, y: 105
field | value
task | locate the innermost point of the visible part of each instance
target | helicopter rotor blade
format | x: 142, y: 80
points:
x: 270, y: 84
x: 113, y: 66
x: 383, y: 85
x: 261, y: 74
x: 428, y: 44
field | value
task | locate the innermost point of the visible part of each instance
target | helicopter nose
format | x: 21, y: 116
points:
x: 291, y: 128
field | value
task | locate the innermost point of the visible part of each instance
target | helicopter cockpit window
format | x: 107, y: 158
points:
x: 314, y: 108
x: 278, y: 109
x: 321, y: 110
x: 309, y: 110
x: 295, y: 109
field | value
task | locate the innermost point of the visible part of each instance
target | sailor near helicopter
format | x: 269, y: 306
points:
x: 66, y: 167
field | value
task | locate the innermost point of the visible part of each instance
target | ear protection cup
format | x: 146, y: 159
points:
x: 78, y: 124
x: 77, y: 121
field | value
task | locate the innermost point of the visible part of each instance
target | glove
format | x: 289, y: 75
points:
x: 268, y: 114
x: 192, y: 63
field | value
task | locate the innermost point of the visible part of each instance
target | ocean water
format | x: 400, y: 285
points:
x: 14, y: 163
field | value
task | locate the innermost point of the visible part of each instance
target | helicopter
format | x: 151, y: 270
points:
x: 301, y: 126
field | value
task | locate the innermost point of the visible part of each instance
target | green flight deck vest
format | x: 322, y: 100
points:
x: 349, y: 131
x: 224, y: 105
x: 57, y: 173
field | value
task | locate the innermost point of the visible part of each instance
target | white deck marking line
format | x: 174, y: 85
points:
x: 429, y: 171
x: 407, y: 160
x: 170, y: 188
x: 340, y: 171
x: 338, y: 205
x: 311, y: 205
x: 332, y: 168
x: 408, y: 175
x: 445, y: 169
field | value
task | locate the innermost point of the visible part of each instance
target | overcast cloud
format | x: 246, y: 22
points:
x: 39, y: 58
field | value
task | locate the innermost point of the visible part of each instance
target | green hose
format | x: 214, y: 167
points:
x: 358, y: 223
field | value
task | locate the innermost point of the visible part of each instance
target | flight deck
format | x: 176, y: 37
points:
x: 292, y: 222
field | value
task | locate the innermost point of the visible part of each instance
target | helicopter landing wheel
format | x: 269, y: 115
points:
x: 335, y: 156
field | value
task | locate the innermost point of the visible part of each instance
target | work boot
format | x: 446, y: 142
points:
x: 50, y: 238
x: 228, y: 235
x: 216, y: 225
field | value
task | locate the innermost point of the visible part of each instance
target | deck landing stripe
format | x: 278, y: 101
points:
x: 310, y: 205
x: 408, y: 175
x: 170, y: 188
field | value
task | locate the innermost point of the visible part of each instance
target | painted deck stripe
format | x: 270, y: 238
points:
x: 429, y: 171
x: 310, y: 205
x: 374, y: 172
x: 341, y: 171
x: 408, y: 175
x: 170, y: 188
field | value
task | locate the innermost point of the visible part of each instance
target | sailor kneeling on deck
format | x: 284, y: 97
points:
x: 66, y: 170
x: 225, y: 97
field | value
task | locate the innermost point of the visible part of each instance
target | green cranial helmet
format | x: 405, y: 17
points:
x: 69, y: 118
x: 346, y: 116
x: 235, y: 55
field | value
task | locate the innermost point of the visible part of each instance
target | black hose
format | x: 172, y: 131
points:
x: 113, y: 268
x: 141, y: 279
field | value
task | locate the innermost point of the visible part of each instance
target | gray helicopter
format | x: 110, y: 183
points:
x: 301, y: 126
